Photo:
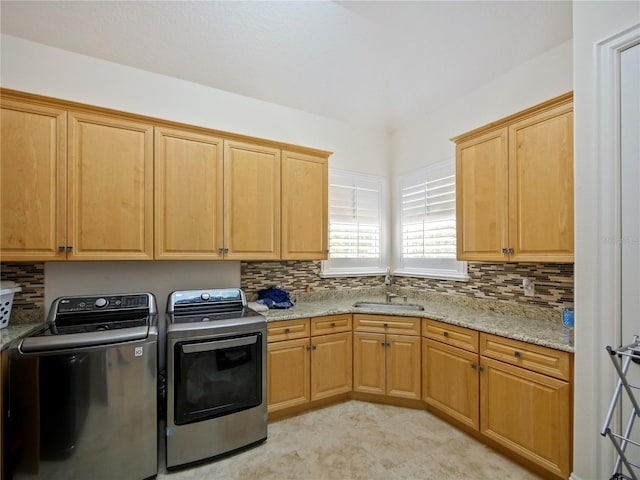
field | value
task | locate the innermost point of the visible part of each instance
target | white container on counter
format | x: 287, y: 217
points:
x: 7, y: 290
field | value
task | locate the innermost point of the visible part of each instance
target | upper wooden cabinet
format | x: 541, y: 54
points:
x: 304, y: 206
x: 110, y: 188
x: 33, y: 163
x: 88, y: 199
x: 251, y: 201
x: 188, y: 195
x: 87, y: 183
x: 514, y: 188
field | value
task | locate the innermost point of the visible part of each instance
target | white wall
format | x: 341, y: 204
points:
x: 595, y: 272
x: 426, y: 140
x: 40, y: 69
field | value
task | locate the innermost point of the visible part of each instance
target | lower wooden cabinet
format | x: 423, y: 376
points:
x: 516, y: 394
x: 386, y: 364
x: 331, y: 372
x: 303, y: 368
x: 528, y: 413
x: 450, y: 381
x: 288, y: 374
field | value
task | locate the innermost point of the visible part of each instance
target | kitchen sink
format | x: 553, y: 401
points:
x: 389, y: 306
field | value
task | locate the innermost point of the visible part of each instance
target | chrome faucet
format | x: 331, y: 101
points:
x: 388, y: 280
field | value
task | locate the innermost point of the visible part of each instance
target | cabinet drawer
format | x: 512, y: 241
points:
x: 450, y: 334
x: 331, y: 324
x: 547, y: 361
x: 386, y: 324
x: 287, y: 329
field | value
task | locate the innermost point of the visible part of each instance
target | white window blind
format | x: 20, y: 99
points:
x: 427, y: 211
x: 355, y: 224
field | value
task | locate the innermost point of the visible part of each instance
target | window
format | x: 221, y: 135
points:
x: 427, y: 213
x: 356, y: 225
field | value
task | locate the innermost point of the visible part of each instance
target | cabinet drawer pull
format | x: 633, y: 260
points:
x: 446, y: 334
x: 61, y: 248
x: 333, y: 324
x: 287, y: 330
x: 517, y: 354
x: 385, y: 325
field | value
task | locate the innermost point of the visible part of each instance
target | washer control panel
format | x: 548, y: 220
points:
x: 105, y: 302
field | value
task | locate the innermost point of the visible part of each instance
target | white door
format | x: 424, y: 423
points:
x: 630, y: 221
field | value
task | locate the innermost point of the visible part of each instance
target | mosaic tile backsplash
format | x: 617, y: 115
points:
x: 28, y: 305
x: 496, y: 281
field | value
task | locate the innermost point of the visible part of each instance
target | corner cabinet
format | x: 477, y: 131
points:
x: 386, y: 355
x: 514, y: 191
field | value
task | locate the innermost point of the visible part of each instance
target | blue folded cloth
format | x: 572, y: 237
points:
x: 275, y: 297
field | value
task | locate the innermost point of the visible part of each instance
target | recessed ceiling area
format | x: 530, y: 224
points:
x: 375, y: 64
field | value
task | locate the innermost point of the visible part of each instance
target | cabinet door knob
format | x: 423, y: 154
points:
x: 474, y: 366
x: 287, y: 330
x: 388, y: 344
x: 505, y: 251
x: 333, y: 324
x: 481, y: 369
x: 314, y: 347
x: 385, y: 325
x: 308, y: 348
x: 446, y: 334
x: 61, y: 248
x: 517, y: 354
x: 383, y: 344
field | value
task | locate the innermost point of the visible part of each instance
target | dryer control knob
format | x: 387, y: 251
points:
x: 101, y: 303
x: 205, y: 296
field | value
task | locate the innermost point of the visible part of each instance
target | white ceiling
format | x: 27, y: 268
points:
x: 377, y: 64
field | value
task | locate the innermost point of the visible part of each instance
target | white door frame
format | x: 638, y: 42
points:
x: 591, y: 359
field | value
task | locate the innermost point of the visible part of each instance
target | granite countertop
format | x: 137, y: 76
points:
x: 534, y: 325
x: 16, y: 332
x: 539, y: 326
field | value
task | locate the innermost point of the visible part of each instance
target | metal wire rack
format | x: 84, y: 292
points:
x: 626, y: 448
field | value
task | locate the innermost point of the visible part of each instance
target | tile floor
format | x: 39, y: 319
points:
x: 359, y: 440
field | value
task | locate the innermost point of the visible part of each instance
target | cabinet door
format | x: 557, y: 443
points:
x: 331, y: 359
x: 110, y: 188
x: 33, y: 160
x: 450, y: 381
x: 368, y: 362
x: 541, y: 187
x: 528, y: 413
x: 251, y: 201
x: 482, y: 197
x: 288, y: 374
x: 188, y: 195
x: 403, y: 366
x: 304, y: 207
